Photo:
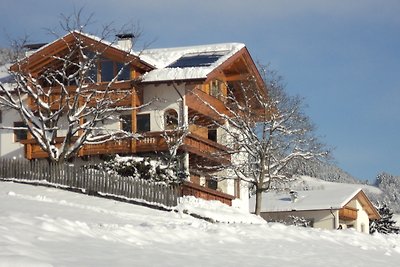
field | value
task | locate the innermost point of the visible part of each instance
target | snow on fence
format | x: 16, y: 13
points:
x: 90, y: 180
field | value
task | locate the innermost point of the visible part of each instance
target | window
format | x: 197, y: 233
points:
x: 20, y: 134
x: 170, y: 119
x: 104, y: 70
x: 212, y: 135
x: 143, y: 123
x: 126, y: 123
x: 215, y: 89
x: 107, y: 70
x: 125, y: 73
x: 212, y: 183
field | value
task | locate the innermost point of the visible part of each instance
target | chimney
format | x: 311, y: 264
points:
x: 125, y: 41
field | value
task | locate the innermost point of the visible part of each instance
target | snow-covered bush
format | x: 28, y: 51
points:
x: 386, y: 224
x: 300, y: 221
x: 141, y: 168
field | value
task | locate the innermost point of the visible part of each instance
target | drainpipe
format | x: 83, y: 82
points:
x: 334, y: 219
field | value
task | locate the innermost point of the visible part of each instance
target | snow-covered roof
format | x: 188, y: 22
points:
x: 177, y: 63
x: 170, y: 66
x: 5, y: 78
x: 332, y: 198
x: 163, y: 58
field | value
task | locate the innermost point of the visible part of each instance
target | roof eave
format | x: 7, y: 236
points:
x: 69, y: 38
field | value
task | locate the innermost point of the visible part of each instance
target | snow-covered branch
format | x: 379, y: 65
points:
x: 61, y: 99
x: 267, y: 131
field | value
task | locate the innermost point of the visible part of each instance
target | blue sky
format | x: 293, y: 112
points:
x: 342, y: 56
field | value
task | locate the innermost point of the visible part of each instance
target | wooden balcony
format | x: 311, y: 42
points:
x: 150, y: 142
x: 113, y: 147
x: 348, y: 214
x: 120, y: 92
x: 205, y: 104
x: 200, y: 146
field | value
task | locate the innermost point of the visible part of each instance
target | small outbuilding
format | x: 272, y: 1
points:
x: 333, y: 208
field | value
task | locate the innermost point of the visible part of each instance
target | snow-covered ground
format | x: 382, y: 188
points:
x: 42, y: 226
x: 396, y: 217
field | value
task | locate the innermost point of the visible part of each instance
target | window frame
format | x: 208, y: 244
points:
x: 116, y: 67
x: 126, y: 121
x: 148, y: 129
x: 215, y: 89
x: 212, y: 134
x: 20, y: 135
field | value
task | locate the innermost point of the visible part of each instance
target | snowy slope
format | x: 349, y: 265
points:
x: 307, y: 182
x: 42, y: 226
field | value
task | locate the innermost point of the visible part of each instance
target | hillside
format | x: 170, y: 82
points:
x: 311, y: 183
x: 390, y: 187
x: 42, y: 226
x: 327, y: 172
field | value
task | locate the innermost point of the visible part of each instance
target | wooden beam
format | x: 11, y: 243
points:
x: 133, y: 120
x: 237, y: 77
x: 205, y: 104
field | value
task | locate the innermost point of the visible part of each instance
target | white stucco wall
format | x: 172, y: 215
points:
x: 163, y: 97
x: 237, y: 159
x: 228, y: 186
x: 8, y: 147
x: 322, y: 219
x: 361, y: 224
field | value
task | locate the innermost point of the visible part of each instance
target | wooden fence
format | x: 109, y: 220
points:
x: 90, y: 181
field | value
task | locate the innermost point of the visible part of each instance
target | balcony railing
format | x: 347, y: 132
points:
x: 150, y: 142
x: 205, y: 104
x: 348, y: 213
x: 191, y: 189
x: 120, y: 94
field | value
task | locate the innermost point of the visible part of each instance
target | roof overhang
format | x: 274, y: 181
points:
x: 240, y: 67
x: 367, y: 205
x: 38, y: 60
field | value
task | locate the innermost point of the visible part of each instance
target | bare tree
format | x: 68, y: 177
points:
x: 59, y: 102
x: 267, y: 131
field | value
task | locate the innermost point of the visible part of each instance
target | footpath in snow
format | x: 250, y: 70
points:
x: 42, y: 226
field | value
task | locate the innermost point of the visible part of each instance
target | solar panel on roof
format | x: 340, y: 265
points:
x: 197, y: 60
